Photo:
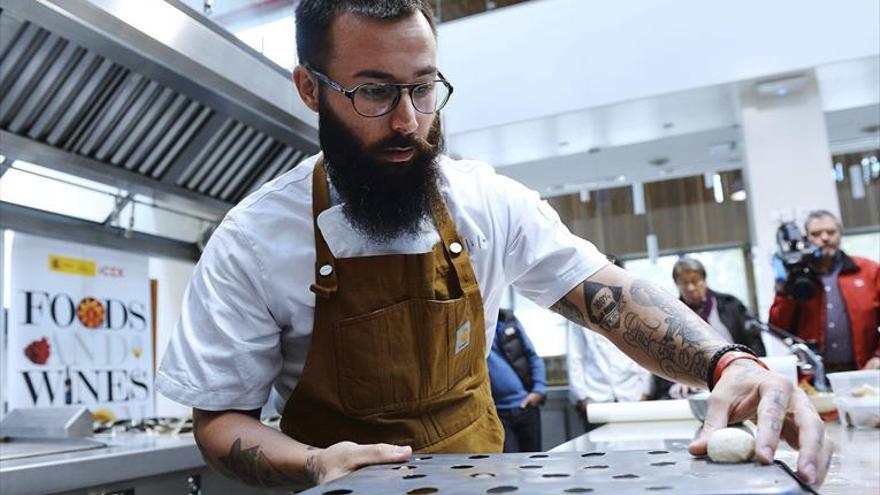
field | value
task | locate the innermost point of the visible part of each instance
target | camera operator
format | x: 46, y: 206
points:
x: 841, y: 312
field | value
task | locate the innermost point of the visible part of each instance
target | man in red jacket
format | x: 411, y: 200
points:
x: 843, y: 316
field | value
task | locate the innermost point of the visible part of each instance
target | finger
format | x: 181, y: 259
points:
x: 814, y: 456
x: 775, y: 399
x: 824, y: 461
x: 380, y: 453
x: 524, y: 403
x: 717, y: 414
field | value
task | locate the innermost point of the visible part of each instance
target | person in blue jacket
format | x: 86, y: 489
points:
x: 516, y: 373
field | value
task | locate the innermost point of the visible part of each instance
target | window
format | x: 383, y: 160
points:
x: 45, y: 189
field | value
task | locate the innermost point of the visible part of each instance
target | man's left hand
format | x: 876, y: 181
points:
x: 534, y: 399
x: 872, y: 364
x: 784, y: 411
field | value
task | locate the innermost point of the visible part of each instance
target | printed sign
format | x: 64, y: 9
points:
x: 79, y: 329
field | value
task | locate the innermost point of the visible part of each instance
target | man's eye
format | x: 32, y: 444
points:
x: 376, y: 92
x: 424, y: 89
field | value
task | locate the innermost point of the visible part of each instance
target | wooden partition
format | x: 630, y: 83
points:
x: 683, y: 213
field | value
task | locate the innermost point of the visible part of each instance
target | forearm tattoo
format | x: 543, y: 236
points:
x: 675, y: 339
x: 569, y: 310
x: 252, y: 467
x: 603, y: 304
x: 684, y: 349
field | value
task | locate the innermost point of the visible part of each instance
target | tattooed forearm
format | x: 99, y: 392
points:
x: 251, y: 466
x: 684, y: 349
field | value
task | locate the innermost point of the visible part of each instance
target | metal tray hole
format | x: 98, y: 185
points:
x: 658, y: 488
x: 423, y: 458
x: 342, y: 491
x: 479, y: 456
x: 460, y: 466
x: 502, y: 489
x: 405, y: 466
x: 597, y: 466
x: 593, y: 454
x: 556, y: 475
x: 578, y: 490
x: 531, y: 466
x: 423, y: 490
x: 663, y: 463
x: 482, y: 475
x: 656, y: 452
x: 625, y: 476
x: 538, y: 456
x: 414, y: 476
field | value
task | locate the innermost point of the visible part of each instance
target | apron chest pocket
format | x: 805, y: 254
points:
x: 404, y: 354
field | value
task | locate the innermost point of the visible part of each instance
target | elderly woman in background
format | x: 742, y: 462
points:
x: 726, y: 314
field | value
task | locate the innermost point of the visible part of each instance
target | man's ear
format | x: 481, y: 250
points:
x: 307, y: 85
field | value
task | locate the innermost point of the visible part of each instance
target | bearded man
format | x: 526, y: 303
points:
x: 843, y: 314
x: 364, y: 284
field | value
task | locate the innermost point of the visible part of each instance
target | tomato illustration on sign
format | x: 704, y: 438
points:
x: 38, y: 351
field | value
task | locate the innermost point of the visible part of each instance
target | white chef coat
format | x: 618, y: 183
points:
x: 248, y: 312
x: 600, y: 372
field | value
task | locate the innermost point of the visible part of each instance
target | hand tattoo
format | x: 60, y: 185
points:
x: 251, y: 466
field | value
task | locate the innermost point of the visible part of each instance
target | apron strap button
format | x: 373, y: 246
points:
x: 455, y: 248
x: 325, y: 270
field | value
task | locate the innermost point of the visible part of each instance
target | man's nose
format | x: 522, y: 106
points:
x: 403, y: 118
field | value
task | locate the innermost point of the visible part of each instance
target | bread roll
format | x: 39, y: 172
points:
x: 731, y: 445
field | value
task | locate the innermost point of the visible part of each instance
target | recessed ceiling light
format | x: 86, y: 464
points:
x: 594, y: 150
x: 563, y: 144
x: 659, y: 161
x: 871, y: 129
x: 668, y: 125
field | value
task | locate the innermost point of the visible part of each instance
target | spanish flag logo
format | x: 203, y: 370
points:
x: 73, y: 266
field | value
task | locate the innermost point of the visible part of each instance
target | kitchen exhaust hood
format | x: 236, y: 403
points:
x: 147, y: 96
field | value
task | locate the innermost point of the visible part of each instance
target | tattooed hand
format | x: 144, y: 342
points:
x: 784, y: 411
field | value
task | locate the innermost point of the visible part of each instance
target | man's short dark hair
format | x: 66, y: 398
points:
x: 686, y: 264
x: 817, y: 214
x: 314, y: 18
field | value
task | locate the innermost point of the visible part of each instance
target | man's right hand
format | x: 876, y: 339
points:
x: 343, y: 458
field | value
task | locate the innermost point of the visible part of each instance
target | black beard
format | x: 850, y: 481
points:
x: 381, y: 200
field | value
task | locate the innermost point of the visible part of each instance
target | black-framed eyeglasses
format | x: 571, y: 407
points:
x: 378, y: 99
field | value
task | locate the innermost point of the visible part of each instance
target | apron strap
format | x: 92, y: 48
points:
x: 325, y: 264
x: 455, y: 248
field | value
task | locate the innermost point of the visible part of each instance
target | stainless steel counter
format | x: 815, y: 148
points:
x: 126, y: 462
x: 855, y: 468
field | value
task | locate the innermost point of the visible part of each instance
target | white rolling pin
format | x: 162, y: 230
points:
x: 655, y: 410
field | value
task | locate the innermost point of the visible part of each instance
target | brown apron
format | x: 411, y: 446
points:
x: 397, y: 353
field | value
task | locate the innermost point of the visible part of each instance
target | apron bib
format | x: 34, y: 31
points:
x: 397, y: 352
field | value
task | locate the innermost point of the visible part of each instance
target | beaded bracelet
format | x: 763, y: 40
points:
x: 713, y: 363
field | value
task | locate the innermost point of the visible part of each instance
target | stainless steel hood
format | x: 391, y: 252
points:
x: 145, y: 95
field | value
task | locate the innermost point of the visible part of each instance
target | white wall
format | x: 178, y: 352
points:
x: 552, y: 56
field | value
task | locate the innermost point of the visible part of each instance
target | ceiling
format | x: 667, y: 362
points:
x: 235, y: 14
x: 684, y: 133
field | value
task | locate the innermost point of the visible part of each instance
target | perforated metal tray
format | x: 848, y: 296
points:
x: 671, y: 471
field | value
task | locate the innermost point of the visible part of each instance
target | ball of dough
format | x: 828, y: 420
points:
x: 729, y: 445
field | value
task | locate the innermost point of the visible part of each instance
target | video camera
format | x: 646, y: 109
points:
x: 797, y: 255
